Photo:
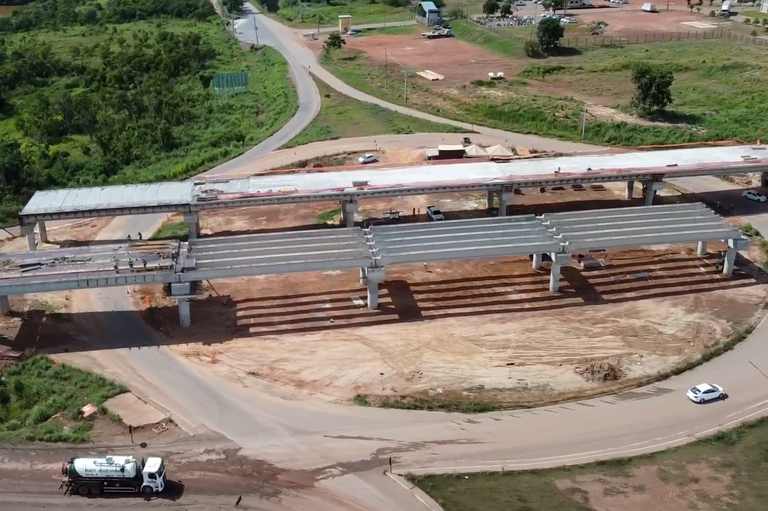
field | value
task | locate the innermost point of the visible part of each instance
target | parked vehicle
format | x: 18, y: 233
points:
x: 438, y: 33
x: 367, y: 158
x: 647, y: 7
x: 113, y: 474
x: 435, y: 214
x: 754, y: 196
x: 706, y: 392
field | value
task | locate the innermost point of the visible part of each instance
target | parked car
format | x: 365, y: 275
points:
x: 435, y: 214
x: 706, y: 392
x: 367, y: 158
x: 520, y: 3
x: 754, y: 195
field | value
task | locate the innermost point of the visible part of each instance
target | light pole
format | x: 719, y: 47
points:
x: 535, y: 12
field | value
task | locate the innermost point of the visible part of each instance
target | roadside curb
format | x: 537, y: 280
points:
x: 414, y: 490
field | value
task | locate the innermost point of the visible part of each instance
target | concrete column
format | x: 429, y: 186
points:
x: 558, y: 260
x: 630, y: 190
x: 489, y: 199
x: 185, y: 317
x: 31, y: 243
x: 701, y: 250
x: 374, y: 277
x: 648, y: 193
x: 730, y: 254
x: 763, y: 179
x: 363, y: 276
x: 193, y: 221
x: 43, y: 232
x: 537, y: 259
x: 348, y: 210
x: 505, y: 198
x: 5, y: 306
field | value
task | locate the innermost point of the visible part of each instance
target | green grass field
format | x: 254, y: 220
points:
x: 341, y: 117
x: 362, y: 13
x: 40, y: 400
x: 718, y: 92
x: 725, y: 472
x: 172, y: 230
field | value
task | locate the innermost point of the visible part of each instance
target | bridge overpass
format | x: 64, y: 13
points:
x: 181, y: 265
x: 348, y: 187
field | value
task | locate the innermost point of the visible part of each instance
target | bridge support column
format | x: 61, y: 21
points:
x: 630, y: 190
x: 505, y: 198
x: 193, y: 222
x: 764, y: 179
x: 348, y: 210
x: 649, y: 191
x: 363, y: 276
x: 29, y: 232
x: 730, y: 254
x: 701, y: 249
x: 5, y: 305
x: 537, y: 260
x: 185, y: 316
x: 489, y: 199
x: 43, y: 232
x: 375, y: 275
x: 558, y: 260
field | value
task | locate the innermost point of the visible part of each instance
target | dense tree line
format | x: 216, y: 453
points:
x: 54, y: 14
x: 130, y: 103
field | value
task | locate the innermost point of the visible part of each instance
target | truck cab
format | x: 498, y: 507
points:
x: 153, y: 475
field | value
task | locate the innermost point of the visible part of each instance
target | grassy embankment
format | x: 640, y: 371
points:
x: 341, y: 117
x: 204, y: 130
x: 726, y: 472
x: 40, y: 400
x: 718, y: 92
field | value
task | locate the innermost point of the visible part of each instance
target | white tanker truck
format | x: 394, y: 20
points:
x: 113, y: 474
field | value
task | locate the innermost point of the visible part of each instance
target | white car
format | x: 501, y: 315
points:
x: 706, y: 392
x: 434, y: 213
x: 367, y: 158
x: 753, y: 195
x: 520, y: 3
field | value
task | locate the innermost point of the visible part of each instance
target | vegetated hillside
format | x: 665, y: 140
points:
x: 97, y: 104
x: 328, y: 11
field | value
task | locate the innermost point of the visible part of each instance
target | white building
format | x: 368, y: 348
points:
x: 764, y: 7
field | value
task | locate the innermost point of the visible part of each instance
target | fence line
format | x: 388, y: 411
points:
x: 647, y: 38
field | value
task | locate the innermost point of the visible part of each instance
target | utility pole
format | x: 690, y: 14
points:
x: 406, y: 86
x: 584, y: 121
x: 385, y: 68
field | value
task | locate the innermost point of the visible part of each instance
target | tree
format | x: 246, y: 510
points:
x: 506, y: 9
x: 490, y: 7
x: 532, y: 49
x: 270, y: 5
x: 334, y: 42
x: 235, y: 6
x: 549, y: 33
x: 652, y: 89
x: 455, y: 13
x: 552, y: 5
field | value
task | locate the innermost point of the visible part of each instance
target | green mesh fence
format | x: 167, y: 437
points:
x: 230, y: 83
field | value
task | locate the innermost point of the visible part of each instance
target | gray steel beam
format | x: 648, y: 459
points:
x: 512, y: 221
x: 272, y: 268
x: 25, y: 285
x: 456, y: 254
x: 280, y: 237
x: 405, y: 245
x: 281, y: 258
x: 651, y: 230
x: 646, y: 211
x: 647, y: 240
x: 474, y: 233
x: 287, y: 250
x: 660, y: 223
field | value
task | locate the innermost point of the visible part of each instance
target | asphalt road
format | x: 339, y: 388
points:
x: 343, y: 448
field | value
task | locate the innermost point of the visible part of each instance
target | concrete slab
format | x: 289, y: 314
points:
x: 133, y: 411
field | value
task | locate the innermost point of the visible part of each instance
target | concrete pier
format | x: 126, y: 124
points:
x: 730, y: 255
x: 629, y: 192
x: 764, y: 179
x: 701, y: 249
x: 43, y: 232
x: 193, y: 222
x: 5, y: 305
x: 554, y: 277
x: 374, y: 277
x: 185, y: 317
x: 537, y: 260
x: 363, y: 276
x: 348, y: 210
x: 505, y: 199
x: 489, y: 199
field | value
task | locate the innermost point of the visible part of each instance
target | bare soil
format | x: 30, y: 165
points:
x: 461, y: 330
x: 60, y: 235
x: 631, y: 20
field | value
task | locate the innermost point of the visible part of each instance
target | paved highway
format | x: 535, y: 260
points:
x: 345, y: 447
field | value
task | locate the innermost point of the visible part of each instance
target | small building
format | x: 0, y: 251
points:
x: 446, y: 152
x: 427, y: 13
x: 345, y: 23
x: 764, y: 7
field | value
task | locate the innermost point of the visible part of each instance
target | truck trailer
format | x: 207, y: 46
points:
x: 113, y: 474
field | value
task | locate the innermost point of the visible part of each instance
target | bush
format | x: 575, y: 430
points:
x: 532, y: 49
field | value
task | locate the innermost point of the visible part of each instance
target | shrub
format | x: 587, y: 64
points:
x: 532, y: 49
